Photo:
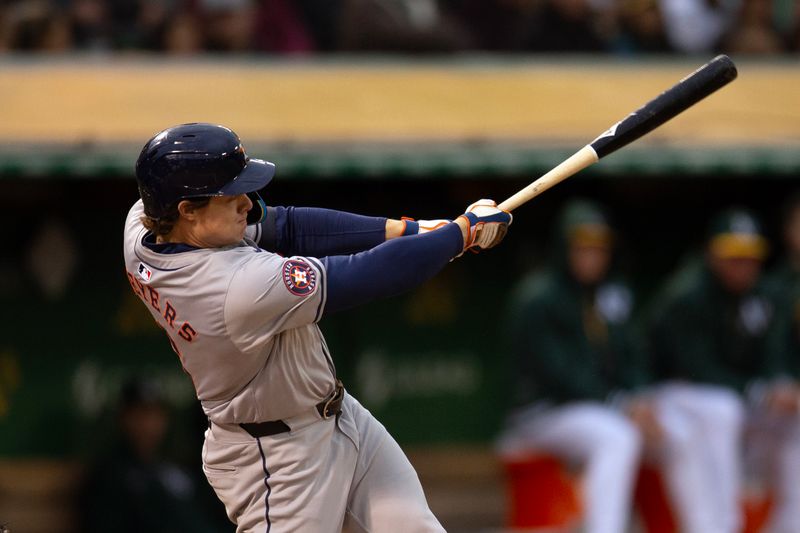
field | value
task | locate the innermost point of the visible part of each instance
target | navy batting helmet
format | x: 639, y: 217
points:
x: 195, y: 161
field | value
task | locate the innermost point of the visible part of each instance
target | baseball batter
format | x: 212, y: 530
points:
x: 239, y: 289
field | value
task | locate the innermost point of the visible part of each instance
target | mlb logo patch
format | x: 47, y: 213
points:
x: 299, y: 277
x: 144, y: 272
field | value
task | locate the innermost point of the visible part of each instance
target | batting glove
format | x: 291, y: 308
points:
x: 487, y: 225
x: 415, y: 227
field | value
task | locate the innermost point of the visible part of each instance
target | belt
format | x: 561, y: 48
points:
x: 327, y: 408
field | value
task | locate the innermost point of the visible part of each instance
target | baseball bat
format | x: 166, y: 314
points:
x: 702, y: 82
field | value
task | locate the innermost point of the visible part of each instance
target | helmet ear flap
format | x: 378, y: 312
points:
x: 258, y: 212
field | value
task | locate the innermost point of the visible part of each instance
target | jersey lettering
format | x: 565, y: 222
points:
x: 151, y: 297
x: 187, y: 332
x: 154, y: 298
x: 140, y: 285
x: 170, y: 314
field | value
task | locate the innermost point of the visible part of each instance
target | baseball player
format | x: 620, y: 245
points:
x: 710, y: 337
x: 577, y: 359
x: 287, y: 449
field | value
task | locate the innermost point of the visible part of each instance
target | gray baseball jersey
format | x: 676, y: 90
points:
x: 243, y: 322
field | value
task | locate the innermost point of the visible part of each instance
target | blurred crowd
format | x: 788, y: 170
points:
x: 186, y: 27
x: 703, y: 382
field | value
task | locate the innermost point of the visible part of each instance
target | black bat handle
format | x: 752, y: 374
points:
x: 702, y: 82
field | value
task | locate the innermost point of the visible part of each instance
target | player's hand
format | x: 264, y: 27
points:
x: 642, y: 413
x: 783, y: 398
x: 487, y: 225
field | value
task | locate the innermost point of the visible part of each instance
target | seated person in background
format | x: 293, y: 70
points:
x: 709, y: 334
x: 575, y: 349
x: 134, y: 488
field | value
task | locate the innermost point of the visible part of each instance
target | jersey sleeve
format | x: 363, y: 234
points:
x: 394, y: 267
x: 269, y: 294
x: 316, y: 232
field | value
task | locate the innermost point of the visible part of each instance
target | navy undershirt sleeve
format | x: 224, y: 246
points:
x: 394, y: 267
x: 318, y: 232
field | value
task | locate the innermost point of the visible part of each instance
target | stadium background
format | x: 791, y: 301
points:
x: 411, y: 135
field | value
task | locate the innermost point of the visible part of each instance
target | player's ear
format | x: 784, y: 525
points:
x: 187, y: 209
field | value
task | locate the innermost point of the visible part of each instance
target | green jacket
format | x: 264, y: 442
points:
x: 573, y: 343
x: 701, y: 333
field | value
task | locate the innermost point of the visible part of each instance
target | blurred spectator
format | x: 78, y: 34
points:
x: 416, y: 26
x: 573, y: 26
x: 754, y: 31
x: 183, y: 34
x: 399, y: 26
x: 641, y: 27
x: 35, y: 25
x: 90, y: 21
x: 322, y: 20
x: 280, y: 28
x: 140, y: 24
x: 576, y: 352
x: 134, y: 488
x: 697, y: 26
x: 498, y: 25
x: 538, y: 25
x: 229, y: 25
x: 710, y: 335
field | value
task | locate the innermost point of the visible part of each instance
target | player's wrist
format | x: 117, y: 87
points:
x: 464, y: 223
x: 410, y: 226
x: 395, y: 228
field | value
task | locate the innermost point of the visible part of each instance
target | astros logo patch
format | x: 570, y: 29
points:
x: 299, y: 277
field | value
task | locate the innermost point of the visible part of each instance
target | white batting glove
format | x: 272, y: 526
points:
x: 487, y: 225
x: 415, y: 227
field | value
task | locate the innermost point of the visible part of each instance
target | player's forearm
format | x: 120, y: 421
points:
x: 392, y: 268
x: 320, y: 232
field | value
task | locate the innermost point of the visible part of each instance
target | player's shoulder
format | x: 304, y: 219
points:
x: 134, y: 217
x: 267, y: 279
x: 251, y: 267
x: 134, y: 229
x: 248, y: 259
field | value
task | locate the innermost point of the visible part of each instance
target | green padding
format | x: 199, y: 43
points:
x: 445, y: 160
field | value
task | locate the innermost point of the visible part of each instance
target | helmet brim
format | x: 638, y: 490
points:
x: 255, y: 175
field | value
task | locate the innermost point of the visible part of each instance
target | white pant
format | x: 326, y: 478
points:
x: 701, y: 453
x: 317, y: 477
x: 604, y: 442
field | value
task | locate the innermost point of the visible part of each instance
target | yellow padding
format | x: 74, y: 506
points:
x: 567, y: 104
